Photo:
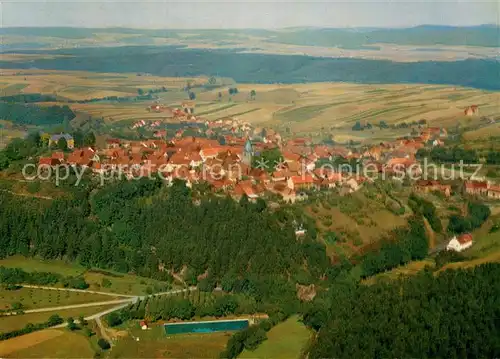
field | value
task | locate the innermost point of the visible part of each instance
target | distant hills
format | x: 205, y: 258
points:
x: 264, y: 68
x: 483, y: 35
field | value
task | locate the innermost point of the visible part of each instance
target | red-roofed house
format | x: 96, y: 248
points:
x: 58, y: 155
x: 305, y: 181
x: 210, y: 152
x: 471, y: 110
x: 494, y: 192
x: 476, y: 188
x: 460, y: 243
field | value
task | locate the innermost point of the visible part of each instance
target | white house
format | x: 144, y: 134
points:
x: 460, y: 243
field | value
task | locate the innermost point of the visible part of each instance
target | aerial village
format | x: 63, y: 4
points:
x: 229, y: 156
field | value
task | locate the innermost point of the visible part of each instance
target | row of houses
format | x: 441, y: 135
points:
x: 483, y: 189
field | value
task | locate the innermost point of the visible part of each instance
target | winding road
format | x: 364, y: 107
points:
x: 121, y: 303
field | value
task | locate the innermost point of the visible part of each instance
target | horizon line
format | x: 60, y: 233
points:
x: 298, y: 27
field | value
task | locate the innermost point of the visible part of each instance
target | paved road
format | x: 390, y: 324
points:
x: 78, y: 290
x: 74, y: 306
x: 122, y: 303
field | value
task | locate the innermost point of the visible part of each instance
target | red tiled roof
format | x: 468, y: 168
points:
x: 59, y: 155
x: 464, y: 238
x: 476, y: 185
x: 306, y: 179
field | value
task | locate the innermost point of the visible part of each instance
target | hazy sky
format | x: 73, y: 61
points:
x: 247, y: 14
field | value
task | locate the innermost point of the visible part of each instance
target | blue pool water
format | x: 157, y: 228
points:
x: 206, y: 327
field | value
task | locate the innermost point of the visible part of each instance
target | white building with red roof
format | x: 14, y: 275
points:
x: 460, y: 243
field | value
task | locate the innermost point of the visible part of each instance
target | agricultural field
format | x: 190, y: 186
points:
x: 99, y: 280
x: 316, y: 109
x: 153, y: 343
x: 14, y: 322
x: 81, y: 85
x: 56, y: 343
x: 32, y: 298
x: 286, y: 340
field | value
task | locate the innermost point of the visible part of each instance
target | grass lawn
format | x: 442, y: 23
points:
x: 120, y: 283
x: 14, y: 322
x: 286, y: 341
x: 123, y: 283
x: 411, y: 268
x: 32, y: 298
x: 40, y: 265
x: 54, y: 343
x: 154, y: 343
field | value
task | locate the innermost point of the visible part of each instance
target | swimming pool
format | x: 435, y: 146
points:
x: 206, y: 327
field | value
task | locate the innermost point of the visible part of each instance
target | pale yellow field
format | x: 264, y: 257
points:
x: 80, y: 85
x: 47, y: 343
x: 10, y: 346
x: 484, y: 132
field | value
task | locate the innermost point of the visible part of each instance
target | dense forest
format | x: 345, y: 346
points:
x: 31, y: 114
x: 449, y: 155
x: 146, y: 228
x: 264, y: 68
x: 452, y: 315
x: 404, y: 245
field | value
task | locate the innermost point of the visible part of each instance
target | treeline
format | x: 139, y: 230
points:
x: 30, y: 328
x: 358, y: 126
x: 448, y: 155
x: 31, y: 114
x: 408, y: 244
x: 493, y: 158
x: 38, y: 97
x: 19, y: 276
x: 451, y: 315
x: 186, y: 306
x: 146, y: 228
x: 251, y: 337
x: 477, y: 214
x: 29, y: 97
x: 35, y: 145
x: 427, y: 209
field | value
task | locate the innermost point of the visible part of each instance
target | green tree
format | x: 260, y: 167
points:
x: 89, y: 139
x: 71, y: 324
x: 62, y: 144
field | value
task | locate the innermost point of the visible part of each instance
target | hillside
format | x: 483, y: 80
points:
x: 420, y: 43
x: 262, y: 68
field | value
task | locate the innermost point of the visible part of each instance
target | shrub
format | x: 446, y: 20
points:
x: 103, y: 344
x: 113, y: 319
